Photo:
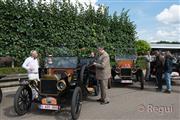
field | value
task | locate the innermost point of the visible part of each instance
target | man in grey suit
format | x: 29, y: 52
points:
x: 103, y: 73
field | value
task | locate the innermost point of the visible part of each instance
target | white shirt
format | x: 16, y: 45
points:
x: 148, y: 58
x: 31, y: 65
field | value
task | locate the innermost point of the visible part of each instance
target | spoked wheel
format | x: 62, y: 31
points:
x: 0, y: 95
x: 22, y: 100
x: 76, y: 103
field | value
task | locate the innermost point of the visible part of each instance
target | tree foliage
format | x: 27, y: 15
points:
x: 168, y: 42
x: 142, y: 47
x: 25, y: 25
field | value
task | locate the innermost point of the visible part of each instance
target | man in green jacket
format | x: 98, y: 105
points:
x: 103, y: 73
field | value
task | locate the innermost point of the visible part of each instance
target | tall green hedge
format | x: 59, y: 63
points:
x: 25, y: 26
x: 9, y: 70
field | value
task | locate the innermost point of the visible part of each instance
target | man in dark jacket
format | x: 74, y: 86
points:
x: 159, y: 65
x: 168, y: 70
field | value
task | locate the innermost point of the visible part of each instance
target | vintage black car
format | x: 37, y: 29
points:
x: 88, y: 76
x: 61, y: 77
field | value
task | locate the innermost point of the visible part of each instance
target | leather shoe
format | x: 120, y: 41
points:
x: 103, y: 103
x: 167, y: 91
x: 99, y: 100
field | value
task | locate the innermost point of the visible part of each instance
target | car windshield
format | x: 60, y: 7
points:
x: 125, y: 57
x: 61, y: 62
x: 123, y: 54
x: 88, y: 60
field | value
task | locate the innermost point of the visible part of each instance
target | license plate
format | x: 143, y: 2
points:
x: 49, y: 107
x: 126, y: 81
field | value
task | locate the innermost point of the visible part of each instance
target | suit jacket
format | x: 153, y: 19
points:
x: 103, y: 68
x: 159, y: 64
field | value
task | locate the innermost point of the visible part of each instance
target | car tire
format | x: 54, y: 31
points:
x: 1, y: 95
x: 76, y: 103
x: 22, y: 100
x: 142, y: 83
x: 82, y: 82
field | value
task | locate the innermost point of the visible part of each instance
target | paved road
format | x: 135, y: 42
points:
x: 126, y: 102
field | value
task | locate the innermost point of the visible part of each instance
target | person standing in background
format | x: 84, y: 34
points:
x: 31, y: 64
x: 159, y: 67
x: 148, y: 66
x: 92, y: 54
x: 168, y: 70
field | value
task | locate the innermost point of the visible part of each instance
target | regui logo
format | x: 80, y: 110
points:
x: 162, y: 109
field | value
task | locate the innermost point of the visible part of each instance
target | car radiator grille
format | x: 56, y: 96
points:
x: 48, y: 87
